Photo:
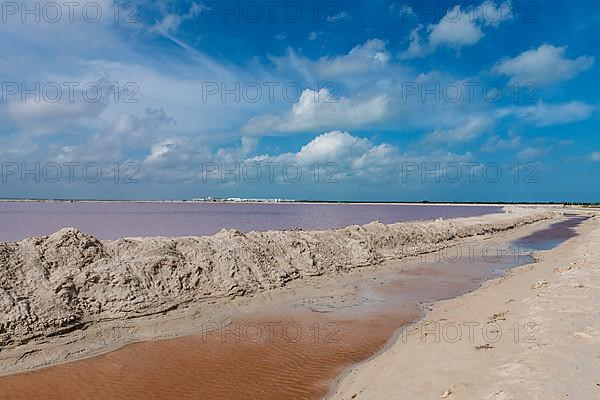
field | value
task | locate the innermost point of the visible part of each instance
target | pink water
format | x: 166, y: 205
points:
x: 19, y: 220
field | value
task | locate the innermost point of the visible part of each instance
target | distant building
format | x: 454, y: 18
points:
x: 209, y: 198
x: 240, y: 200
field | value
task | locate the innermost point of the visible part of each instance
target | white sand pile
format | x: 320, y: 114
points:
x: 69, y: 280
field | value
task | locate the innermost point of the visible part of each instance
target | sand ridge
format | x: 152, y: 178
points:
x: 67, y: 283
x: 535, y: 336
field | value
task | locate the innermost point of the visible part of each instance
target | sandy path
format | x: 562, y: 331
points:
x: 534, y: 334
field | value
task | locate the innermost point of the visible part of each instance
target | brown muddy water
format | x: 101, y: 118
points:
x: 294, y: 352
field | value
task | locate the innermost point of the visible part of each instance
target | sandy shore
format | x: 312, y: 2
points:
x: 533, y: 334
x: 69, y: 296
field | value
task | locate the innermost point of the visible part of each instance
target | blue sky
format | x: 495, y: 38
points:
x: 331, y: 100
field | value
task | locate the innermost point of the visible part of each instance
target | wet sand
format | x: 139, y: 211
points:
x: 293, y: 352
x: 536, y: 335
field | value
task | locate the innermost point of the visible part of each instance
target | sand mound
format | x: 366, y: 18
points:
x: 69, y: 280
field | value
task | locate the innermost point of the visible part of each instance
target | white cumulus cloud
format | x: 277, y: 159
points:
x: 545, y: 64
x: 320, y: 110
x: 459, y: 27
